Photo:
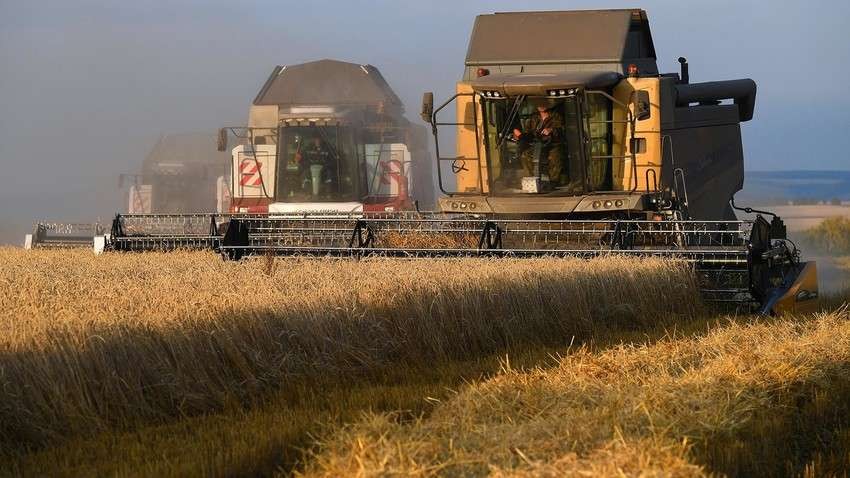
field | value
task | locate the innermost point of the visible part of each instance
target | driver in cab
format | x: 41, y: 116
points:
x: 316, y: 165
x: 545, y: 128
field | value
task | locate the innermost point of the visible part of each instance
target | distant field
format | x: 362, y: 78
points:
x: 182, y: 364
x: 800, y: 218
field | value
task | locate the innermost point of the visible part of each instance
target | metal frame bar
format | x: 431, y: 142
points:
x: 434, y: 127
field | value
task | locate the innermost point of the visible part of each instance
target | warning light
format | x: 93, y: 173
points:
x: 483, y: 72
x: 633, y: 70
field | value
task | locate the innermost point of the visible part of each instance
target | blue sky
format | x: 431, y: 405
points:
x: 87, y: 87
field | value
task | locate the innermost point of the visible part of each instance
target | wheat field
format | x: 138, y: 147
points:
x: 748, y: 399
x: 182, y: 364
x: 90, y: 342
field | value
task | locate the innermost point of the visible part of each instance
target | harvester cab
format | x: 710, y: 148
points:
x: 327, y: 137
x: 564, y: 114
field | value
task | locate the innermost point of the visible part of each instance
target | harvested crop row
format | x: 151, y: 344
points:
x: 745, y: 399
x: 88, y: 343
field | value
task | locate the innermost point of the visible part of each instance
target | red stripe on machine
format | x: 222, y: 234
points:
x: 250, y: 173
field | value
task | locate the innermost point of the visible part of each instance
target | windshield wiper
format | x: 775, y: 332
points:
x: 503, y: 135
x: 330, y: 146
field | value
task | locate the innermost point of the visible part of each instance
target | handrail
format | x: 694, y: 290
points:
x: 456, y: 169
x: 680, y: 173
x: 654, y: 180
x: 631, y: 122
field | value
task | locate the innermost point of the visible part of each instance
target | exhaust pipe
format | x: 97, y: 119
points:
x: 684, y: 77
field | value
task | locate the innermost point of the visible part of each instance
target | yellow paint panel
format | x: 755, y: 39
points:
x: 649, y: 129
x: 467, y: 146
x: 802, y: 296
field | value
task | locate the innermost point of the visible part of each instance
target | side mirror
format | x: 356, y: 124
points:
x: 427, y: 112
x: 221, y: 141
x: 641, y: 105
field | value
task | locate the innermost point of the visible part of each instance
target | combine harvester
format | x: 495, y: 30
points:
x: 571, y: 143
x: 324, y: 138
x: 328, y: 137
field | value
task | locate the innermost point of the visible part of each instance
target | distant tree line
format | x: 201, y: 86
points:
x: 831, y: 236
x: 808, y: 201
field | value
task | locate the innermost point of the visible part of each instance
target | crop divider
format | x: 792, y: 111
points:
x: 491, y: 236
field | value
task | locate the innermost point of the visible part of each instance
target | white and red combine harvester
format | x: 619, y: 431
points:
x: 326, y: 137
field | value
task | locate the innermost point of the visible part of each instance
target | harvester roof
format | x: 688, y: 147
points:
x: 541, y: 83
x: 328, y: 83
x: 562, y: 37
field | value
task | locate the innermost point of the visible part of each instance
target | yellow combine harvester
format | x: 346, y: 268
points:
x: 569, y: 142
x: 564, y: 114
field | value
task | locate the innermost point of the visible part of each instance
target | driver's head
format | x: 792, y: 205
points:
x: 540, y: 104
